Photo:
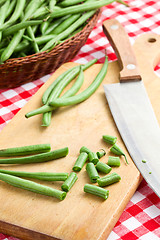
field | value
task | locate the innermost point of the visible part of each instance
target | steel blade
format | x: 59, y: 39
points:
x: 138, y: 127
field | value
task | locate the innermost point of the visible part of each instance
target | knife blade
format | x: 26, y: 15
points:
x: 131, y: 108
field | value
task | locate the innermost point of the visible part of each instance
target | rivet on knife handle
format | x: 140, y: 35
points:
x: 119, y: 40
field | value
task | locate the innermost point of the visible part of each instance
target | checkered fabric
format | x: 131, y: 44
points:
x: 141, y: 217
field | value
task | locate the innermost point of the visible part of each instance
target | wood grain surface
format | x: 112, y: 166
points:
x: 80, y: 216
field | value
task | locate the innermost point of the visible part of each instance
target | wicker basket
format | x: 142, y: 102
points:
x: 17, y: 71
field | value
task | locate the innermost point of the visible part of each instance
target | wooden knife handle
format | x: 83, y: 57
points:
x: 119, y: 41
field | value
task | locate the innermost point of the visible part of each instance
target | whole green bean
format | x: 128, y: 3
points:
x: 65, y: 24
x: 20, y: 4
x: 69, y: 30
x: 46, y: 176
x: 25, y: 150
x: 3, y: 11
x: 43, y: 39
x: 41, y: 157
x: 86, y: 93
x: 19, y: 26
x: 54, y: 24
x: 32, y: 186
x: 69, y: 182
x: 95, y: 190
x: 11, y: 7
x: 67, y: 3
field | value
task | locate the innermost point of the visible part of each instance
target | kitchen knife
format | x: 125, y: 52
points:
x: 131, y: 108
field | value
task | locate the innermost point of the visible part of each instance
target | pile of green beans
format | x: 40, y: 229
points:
x: 43, y: 24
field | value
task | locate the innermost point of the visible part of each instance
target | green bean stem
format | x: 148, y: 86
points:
x: 86, y: 93
x: 101, y: 153
x: 95, y: 190
x: 92, y: 172
x: 46, y: 176
x: 109, y: 139
x: 118, y: 151
x: 25, y: 150
x: 103, y: 167
x: 69, y: 182
x: 85, y: 149
x: 69, y: 30
x: 32, y: 186
x: 93, y: 157
x: 42, y: 157
x: 80, y: 8
x: 81, y: 160
x: 113, y: 161
x: 108, y: 180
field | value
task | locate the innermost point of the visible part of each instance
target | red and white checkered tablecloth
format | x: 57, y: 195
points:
x: 141, y: 217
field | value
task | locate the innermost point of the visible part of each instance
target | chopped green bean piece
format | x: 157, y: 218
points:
x: 92, y: 172
x: 144, y: 161
x: 103, y: 167
x: 95, y: 190
x: 118, y: 151
x: 81, y: 160
x: 93, y: 157
x: 66, y: 186
x: 108, y: 180
x: 109, y: 139
x: 101, y: 153
x: 114, y: 161
x: 85, y: 149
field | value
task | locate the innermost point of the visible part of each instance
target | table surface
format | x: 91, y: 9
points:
x: 141, y: 217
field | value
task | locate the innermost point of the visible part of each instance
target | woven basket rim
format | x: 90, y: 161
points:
x: 13, y: 62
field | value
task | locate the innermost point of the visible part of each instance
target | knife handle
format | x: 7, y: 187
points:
x: 119, y: 41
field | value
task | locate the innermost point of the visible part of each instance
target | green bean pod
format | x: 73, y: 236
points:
x: 32, y: 186
x: 92, y: 172
x: 108, y: 180
x: 86, y: 93
x: 11, y: 7
x: 67, y: 3
x: 95, y: 190
x: 45, y: 176
x: 81, y: 160
x: 69, y: 182
x: 3, y: 11
x: 42, y: 157
x: 25, y: 150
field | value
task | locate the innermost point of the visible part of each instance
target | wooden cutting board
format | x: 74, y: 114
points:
x: 80, y: 216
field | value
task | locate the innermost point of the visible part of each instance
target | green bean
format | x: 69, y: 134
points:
x: 43, y: 39
x: 27, y: 38
x: 93, y: 157
x: 41, y: 157
x: 67, y: 3
x: 65, y: 24
x: 109, y: 139
x: 46, y: 176
x: 52, y: 4
x: 11, y: 7
x: 25, y: 150
x: 85, y: 149
x: 92, y: 172
x: 113, y: 161
x: 95, y: 190
x: 19, y: 26
x: 54, y: 24
x: 22, y: 46
x: 57, y: 91
x: 44, y: 26
x: 80, y: 8
x: 86, y: 93
x: 69, y: 182
x: 69, y: 30
x: 118, y: 151
x: 3, y: 11
x: 31, y: 34
x: 32, y: 186
x: 108, y: 180
x: 103, y: 167
x: 40, y: 12
x: 16, y: 14
x: 81, y: 160
x: 101, y: 153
